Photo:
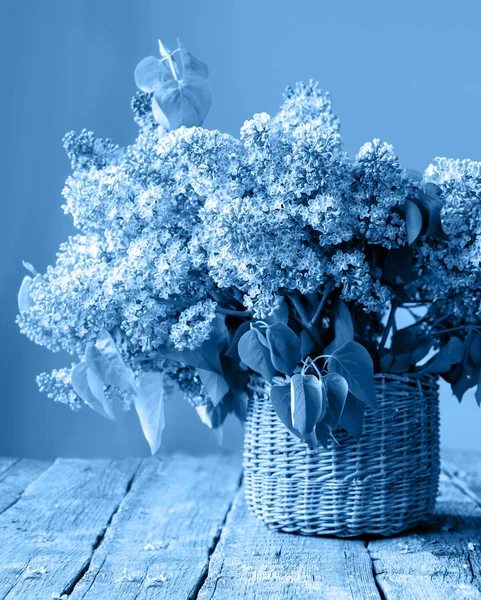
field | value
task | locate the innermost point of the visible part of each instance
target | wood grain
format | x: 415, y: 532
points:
x: 15, y: 476
x: 253, y: 562
x: 159, y: 542
x: 168, y: 529
x: 464, y: 469
x: 441, y: 560
x: 48, y: 536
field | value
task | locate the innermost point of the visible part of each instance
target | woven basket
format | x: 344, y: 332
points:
x: 380, y: 485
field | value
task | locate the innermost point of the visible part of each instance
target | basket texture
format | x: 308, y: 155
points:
x: 382, y: 484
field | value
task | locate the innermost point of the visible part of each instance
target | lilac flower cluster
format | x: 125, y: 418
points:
x: 58, y: 386
x: 188, y: 224
x: 449, y: 271
x: 307, y: 210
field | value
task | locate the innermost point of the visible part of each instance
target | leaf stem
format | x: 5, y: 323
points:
x: 301, y: 311
x: 318, y: 311
x: 295, y: 298
x: 168, y: 57
x: 387, y: 329
x: 465, y: 328
x: 235, y: 313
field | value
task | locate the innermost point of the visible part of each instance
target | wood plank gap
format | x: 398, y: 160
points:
x: 252, y: 560
x: 158, y: 543
x: 47, y: 537
x: 4, y: 471
x: 101, y: 536
x: 15, y: 480
x: 471, y: 567
x: 377, y: 583
x: 440, y: 559
x: 213, y: 546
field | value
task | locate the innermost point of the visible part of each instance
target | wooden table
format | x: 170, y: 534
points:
x: 177, y: 528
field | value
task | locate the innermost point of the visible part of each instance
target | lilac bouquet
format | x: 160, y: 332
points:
x: 203, y: 260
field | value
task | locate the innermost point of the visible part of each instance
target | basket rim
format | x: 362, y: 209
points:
x: 407, y: 378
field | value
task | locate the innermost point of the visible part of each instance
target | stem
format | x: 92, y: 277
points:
x: 317, y: 314
x: 389, y: 323
x: 314, y: 366
x: 168, y: 57
x: 235, y: 313
x: 301, y: 311
x: 465, y: 328
x: 295, y: 298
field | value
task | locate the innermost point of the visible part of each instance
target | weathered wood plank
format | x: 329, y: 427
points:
x: 159, y: 541
x: 252, y: 562
x: 464, y: 468
x: 47, y: 538
x: 7, y: 463
x: 441, y: 560
x: 15, y: 478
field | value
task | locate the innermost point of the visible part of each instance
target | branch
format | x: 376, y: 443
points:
x: 236, y: 313
x: 295, y: 298
x: 317, y: 314
x: 301, y: 311
x: 387, y: 329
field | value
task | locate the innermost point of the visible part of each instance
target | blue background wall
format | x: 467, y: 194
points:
x: 406, y: 72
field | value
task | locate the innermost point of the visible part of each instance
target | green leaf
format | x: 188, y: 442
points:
x: 307, y: 344
x: 431, y: 199
x: 234, y: 372
x: 182, y: 94
x: 159, y: 115
x: 284, y: 346
x: 149, y: 404
x: 401, y: 364
x: 475, y: 350
x: 322, y: 434
x: 149, y: 73
x: 477, y: 394
x: 254, y: 352
x: 414, y: 221
x: 29, y: 268
x: 468, y: 379
x: 397, y: 267
x: 354, y: 363
x: 215, y: 385
x: 343, y: 327
x: 308, y: 403
x: 424, y: 346
x: 232, y: 351
x: 281, y: 401
x: 104, y: 359
x: 24, y: 295
x: 352, y: 419
x: 386, y: 362
x: 404, y: 341
x: 409, y: 346
x: 212, y: 416
x: 238, y: 401
x: 191, y: 65
x: 184, y: 102
x: 337, y: 390
x: 90, y: 389
x: 449, y: 355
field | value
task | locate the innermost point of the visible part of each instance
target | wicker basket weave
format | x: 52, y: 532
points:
x: 380, y: 485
